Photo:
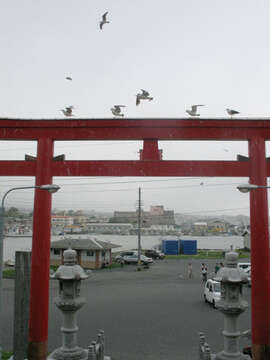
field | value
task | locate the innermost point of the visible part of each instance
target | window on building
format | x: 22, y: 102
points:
x: 90, y: 253
x: 56, y: 251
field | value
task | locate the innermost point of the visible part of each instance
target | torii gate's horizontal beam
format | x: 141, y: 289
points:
x: 151, y: 168
x: 135, y: 129
x: 131, y: 168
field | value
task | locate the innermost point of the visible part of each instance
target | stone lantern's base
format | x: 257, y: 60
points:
x: 225, y: 356
x: 77, y: 354
x: 74, y: 354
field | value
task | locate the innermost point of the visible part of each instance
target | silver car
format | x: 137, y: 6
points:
x: 133, y: 259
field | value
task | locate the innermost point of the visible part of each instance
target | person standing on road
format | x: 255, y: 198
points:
x: 190, y: 273
x: 204, y: 272
x: 217, y: 267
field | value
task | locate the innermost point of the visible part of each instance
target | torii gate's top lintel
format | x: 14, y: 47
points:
x: 134, y: 129
x: 46, y: 131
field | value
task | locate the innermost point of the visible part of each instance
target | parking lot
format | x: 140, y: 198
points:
x: 152, y: 314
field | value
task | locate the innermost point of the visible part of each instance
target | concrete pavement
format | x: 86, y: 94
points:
x: 152, y: 314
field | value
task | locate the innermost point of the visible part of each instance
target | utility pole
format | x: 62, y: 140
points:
x: 139, y: 231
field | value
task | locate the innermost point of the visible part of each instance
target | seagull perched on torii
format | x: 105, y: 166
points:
x: 232, y: 112
x: 193, y: 111
x: 116, y: 110
x: 104, y: 20
x: 68, y: 111
x: 143, y: 96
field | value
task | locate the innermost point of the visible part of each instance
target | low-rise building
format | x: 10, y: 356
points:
x: 91, y: 253
x: 156, y: 216
x: 61, y: 220
x: 109, y: 228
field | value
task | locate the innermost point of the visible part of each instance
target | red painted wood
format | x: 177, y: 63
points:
x: 39, y: 296
x: 150, y: 168
x: 131, y: 168
x: 260, y: 249
x: 150, y: 150
x: 134, y: 129
x: 17, y: 168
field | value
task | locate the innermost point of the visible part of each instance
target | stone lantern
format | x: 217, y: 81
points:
x: 231, y: 305
x: 69, y: 301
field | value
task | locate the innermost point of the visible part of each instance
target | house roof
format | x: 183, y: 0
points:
x: 82, y: 244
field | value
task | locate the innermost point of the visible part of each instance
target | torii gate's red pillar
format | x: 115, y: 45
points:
x: 39, y: 295
x: 260, y: 252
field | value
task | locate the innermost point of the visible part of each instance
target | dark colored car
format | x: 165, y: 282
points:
x: 154, y: 254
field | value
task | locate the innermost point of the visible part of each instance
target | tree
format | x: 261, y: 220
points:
x: 12, y: 212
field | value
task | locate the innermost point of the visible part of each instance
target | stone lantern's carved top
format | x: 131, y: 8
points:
x: 230, y: 272
x: 231, y: 259
x: 70, y: 257
x: 70, y: 270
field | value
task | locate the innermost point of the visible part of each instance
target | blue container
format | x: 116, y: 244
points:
x: 170, y: 247
x: 188, y: 247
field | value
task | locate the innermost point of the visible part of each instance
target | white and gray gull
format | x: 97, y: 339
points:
x: 116, y: 110
x: 193, y: 111
x: 144, y: 95
x: 104, y: 20
x: 68, y: 111
x: 232, y: 112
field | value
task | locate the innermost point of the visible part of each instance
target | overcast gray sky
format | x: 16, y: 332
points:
x: 182, y: 51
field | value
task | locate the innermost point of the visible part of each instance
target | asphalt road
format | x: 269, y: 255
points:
x: 152, y: 314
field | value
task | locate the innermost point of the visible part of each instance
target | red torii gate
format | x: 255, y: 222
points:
x: 44, y: 167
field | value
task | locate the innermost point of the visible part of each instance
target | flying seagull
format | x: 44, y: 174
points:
x: 68, y: 78
x: 144, y: 95
x: 193, y: 111
x: 116, y: 110
x: 104, y: 20
x: 232, y: 112
x: 68, y: 111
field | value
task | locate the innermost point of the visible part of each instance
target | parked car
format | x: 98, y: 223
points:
x: 246, y: 266
x: 119, y: 257
x: 212, y: 292
x: 133, y: 259
x: 154, y: 254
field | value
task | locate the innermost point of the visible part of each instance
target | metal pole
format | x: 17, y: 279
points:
x: 139, y: 232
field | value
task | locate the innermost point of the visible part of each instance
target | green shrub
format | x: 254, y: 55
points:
x: 6, y: 355
x: 9, y: 274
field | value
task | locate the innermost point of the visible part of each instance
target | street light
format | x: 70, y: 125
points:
x: 50, y: 188
x: 245, y: 188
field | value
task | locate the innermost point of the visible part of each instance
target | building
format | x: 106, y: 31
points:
x: 156, y: 216
x: 109, y: 228
x: 62, y: 220
x: 200, y: 227
x: 217, y: 226
x: 91, y: 253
